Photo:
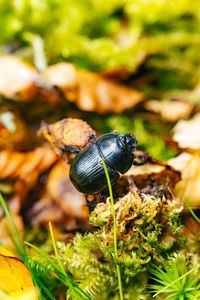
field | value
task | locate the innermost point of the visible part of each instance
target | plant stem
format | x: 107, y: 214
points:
x: 190, y: 209
x: 114, y: 228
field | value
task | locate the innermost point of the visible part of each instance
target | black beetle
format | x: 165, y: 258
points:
x: 87, y: 171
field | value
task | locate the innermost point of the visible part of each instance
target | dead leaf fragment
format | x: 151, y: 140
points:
x: 189, y: 186
x: 67, y: 132
x: 15, y: 279
x: 152, y: 174
x: 187, y: 133
x: 14, y: 134
x: 91, y: 91
x: 18, y: 80
x: 60, y: 203
x: 170, y: 110
x: 23, y: 169
x: 62, y: 191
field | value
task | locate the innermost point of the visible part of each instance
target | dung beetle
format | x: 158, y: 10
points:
x: 87, y: 171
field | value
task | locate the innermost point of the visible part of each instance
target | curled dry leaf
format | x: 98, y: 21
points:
x: 91, y: 91
x: 23, y: 169
x: 15, y: 279
x: 61, y: 203
x: 18, y: 80
x: 189, y: 186
x: 14, y: 134
x: 170, y: 110
x: 44, y: 211
x: 62, y: 191
x: 154, y: 177
x: 186, y: 133
x: 67, y: 132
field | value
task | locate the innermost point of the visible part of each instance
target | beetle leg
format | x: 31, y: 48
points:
x: 92, y: 136
x: 102, y: 197
x: 70, y: 149
x: 136, y: 163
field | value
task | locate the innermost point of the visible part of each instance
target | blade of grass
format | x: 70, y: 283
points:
x: 63, y: 279
x: 22, y: 252
x: 12, y: 238
x: 58, y: 259
x: 191, y: 211
x: 14, y: 228
x: 114, y: 228
x: 56, y: 250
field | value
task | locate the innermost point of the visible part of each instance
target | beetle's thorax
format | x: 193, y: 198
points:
x: 114, y: 152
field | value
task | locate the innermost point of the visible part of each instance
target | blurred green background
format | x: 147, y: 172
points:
x: 155, y: 41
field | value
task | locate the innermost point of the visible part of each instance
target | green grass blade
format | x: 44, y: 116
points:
x: 12, y: 238
x: 62, y: 277
x: 22, y: 252
x: 58, y: 259
x: 56, y: 250
x: 14, y: 228
x: 114, y: 228
x: 191, y: 211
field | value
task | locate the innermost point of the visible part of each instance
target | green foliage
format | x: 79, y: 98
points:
x: 170, y: 277
x: 94, y: 277
x: 103, y: 35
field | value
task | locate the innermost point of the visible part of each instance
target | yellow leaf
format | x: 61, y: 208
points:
x: 15, y: 279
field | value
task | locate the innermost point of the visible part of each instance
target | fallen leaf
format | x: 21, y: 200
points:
x: 60, y: 203
x: 67, y: 132
x: 15, y: 279
x: 186, y: 133
x: 91, y: 91
x: 189, y: 186
x: 154, y: 176
x: 18, y: 80
x: 64, y: 194
x: 23, y: 169
x: 170, y: 110
x: 14, y: 134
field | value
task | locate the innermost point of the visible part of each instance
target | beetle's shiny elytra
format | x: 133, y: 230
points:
x: 87, y: 171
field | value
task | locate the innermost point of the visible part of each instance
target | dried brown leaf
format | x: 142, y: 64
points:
x: 187, y: 133
x: 189, y: 186
x: 18, y: 80
x: 64, y: 194
x: 91, y: 91
x: 170, y: 110
x: 67, y: 132
x: 23, y: 169
x: 153, y: 175
x: 14, y: 134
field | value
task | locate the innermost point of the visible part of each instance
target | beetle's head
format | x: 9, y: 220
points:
x: 129, y: 141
